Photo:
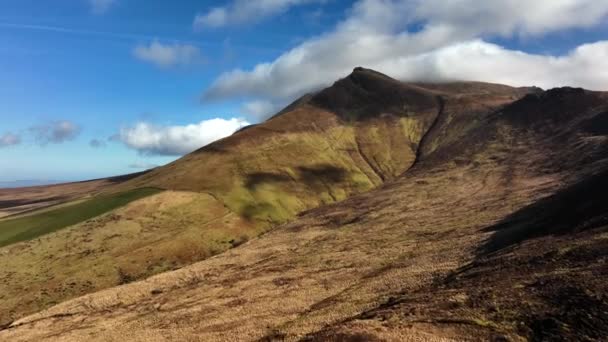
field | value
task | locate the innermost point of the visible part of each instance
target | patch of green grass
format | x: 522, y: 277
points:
x: 33, y: 226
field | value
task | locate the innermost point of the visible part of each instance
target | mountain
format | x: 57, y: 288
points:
x: 375, y: 210
x: 28, y: 183
x: 316, y: 151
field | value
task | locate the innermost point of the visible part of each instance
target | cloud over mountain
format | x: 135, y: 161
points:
x: 261, y: 109
x: 431, y: 40
x: 150, y: 139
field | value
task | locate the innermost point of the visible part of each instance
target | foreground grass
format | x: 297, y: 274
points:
x: 152, y: 235
x: 30, y: 227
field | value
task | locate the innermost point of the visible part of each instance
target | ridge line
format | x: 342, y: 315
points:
x: 366, y: 159
x: 441, y: 101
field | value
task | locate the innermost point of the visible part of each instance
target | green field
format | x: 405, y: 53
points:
x: 33, y: 226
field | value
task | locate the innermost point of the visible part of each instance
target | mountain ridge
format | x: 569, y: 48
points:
x: 356, y: 206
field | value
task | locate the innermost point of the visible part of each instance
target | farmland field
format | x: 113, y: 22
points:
x: 32, y: 226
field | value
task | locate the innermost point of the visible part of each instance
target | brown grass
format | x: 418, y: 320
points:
x: 152, y: 235
x: 316, y: 276
x: 330, y: 265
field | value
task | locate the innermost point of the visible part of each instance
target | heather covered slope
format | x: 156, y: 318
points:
x: 364, y: 130
x: 405, y: 261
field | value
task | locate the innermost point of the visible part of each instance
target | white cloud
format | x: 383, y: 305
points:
x: 261, y: 109
x: 449, y: 45
x: 245, y: 11
x: 167, y: 55
x: 101, y: 6
x: 216, y: 17
x: 585, y: 66
x: 512, y: 16
x: 150, y: 139
x: 55, y: 132
x: 9, y: 139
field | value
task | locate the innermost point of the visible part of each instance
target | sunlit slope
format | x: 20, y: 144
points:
x: 348, y: 138
x: 155, y: 234
x: 365, y: 130
x: 498, y: 235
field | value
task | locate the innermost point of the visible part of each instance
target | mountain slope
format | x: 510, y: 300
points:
x: 347, y: 139
x: 403, y: 261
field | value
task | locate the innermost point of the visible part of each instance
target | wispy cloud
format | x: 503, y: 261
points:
x: 55, y: 132
x: 126, y: 36
x: 150, y: 139
x: 9, y: 139
x: 167, y: 55
x: 245, y: 11
x: 68, y: 30
x: 101, y: 6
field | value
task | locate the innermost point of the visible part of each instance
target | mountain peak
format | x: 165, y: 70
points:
x: 361, y: 71
x: 366, y: 93
x: 367, y: 77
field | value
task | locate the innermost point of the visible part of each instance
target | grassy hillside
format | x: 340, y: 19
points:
x: 48, y: 221
x: 364, y: 131
x: 161, y: 232
x: 405, y: 261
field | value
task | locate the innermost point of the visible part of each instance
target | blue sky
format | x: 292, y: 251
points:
x: 93, y: 88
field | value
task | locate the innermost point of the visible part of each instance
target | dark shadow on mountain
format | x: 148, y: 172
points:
x: 260, y: 211
x: 257, y: 178
x: 312, y: 176
x: 366, y: 94
x: 554, y: 106
x: 324, y: 173
x: 579, y: 207
x: 598, y: 125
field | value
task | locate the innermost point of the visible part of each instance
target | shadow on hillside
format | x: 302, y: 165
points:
x: 579, y: 207
x: 598, y: 125
x: 319, y: 178
x: 323, y: 172
x: 253, y: 180
x: 312, y: 176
